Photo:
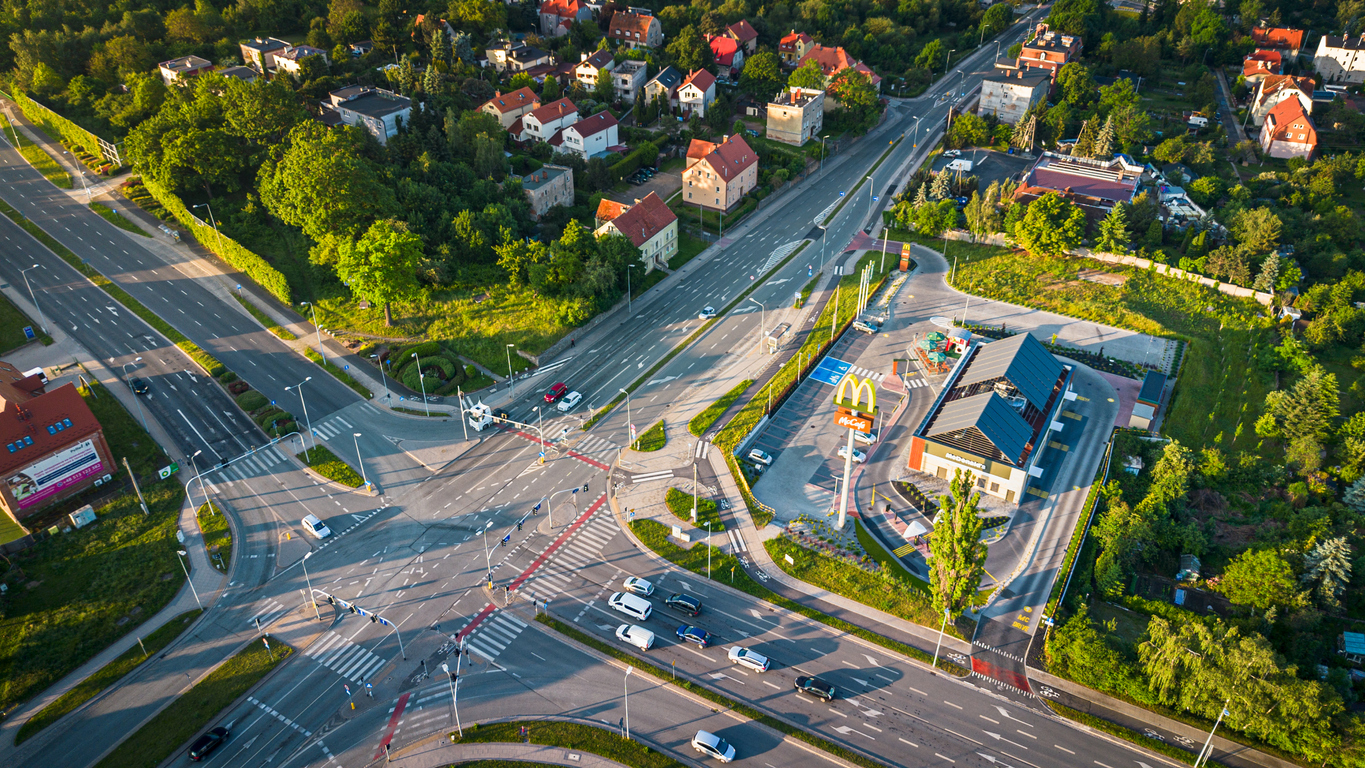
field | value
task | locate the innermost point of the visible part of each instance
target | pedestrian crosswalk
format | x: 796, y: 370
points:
x: 267, y: 614
x: 702, y: 448
x: 916, y: 383
x: 260, y: 462
x: 576, y: 553
x: 662, y: 474
x: 345, y: 657
x: 737, y: 544
x: 494, y: 634
x: 876, y: 376
x: 329, y: 429
x: 592, y: 445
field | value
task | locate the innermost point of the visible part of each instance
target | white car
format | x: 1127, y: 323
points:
x: 866, y: 438
x: 707, y: 313
x: 711, y: 745
x: 637, y: 636
x: 952, y: 153
x: 637, y: 608
x: 570, y: 402
x: 638, y: 586
x: 316, y: 527
x: 858, y: 456
x: 747, y: 658
x: 759, y: 457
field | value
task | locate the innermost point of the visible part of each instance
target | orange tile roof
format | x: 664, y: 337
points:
x: 514, y: 100
x: 25, y: 418
x: 832, y: 61
x: 644, y: 220
x: 626, y: 25
x: 701, y: 78
x: 1278, y: 37
x: 1276, y: 83
x: 723, y: 49
x: 608, y: 210
x: 728, y: 158
x: 1288, y: 116
x: 564, y: 9
x: 789, y: 42
x: 742, y: 31
x: 699, y: 149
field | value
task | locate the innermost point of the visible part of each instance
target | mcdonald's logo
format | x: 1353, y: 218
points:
x: 859, y: 386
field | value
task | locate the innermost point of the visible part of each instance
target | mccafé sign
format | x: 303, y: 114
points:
x: 852, y: 421
x: 855, y: 412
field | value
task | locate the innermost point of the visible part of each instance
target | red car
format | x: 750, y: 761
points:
x: 556, y: 393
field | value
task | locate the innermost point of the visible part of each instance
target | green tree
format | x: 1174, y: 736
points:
x: 1354, y: 498
x: 550, y: 91
x: 762, y: 76
x: 1132, y: 125
x: 1104, y: 142
x: 939, y: 189
x: 1257, y: 229
x: 930, y: 56
x: 978, y: 212
x: 969, y: 130
x: 381, y: 266
x: 808, y: 75
x: 603, y: 91
x: 689, y: 49
x: 958, y: 557
x: 932, y: 219
x: 1076, y: 85
x: 1327, y: 570
x: 1261, y: 578
x: 1270, y: 271
x: 1308, y: 409
x: 516, y: 255
x: 996, y: 18
x: 1052, y: 227
x: 1114, y: 235
x: 1205, y: 190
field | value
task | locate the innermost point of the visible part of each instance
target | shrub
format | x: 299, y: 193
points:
x: 227, y: 377
x: 251, y: 400
x: 238, y: 387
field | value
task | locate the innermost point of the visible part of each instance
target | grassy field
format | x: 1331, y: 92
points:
x: 117, y: 219
x: 652, y: 439
x: 12, y: 323
x: 36, y: 157
x: 106, y: 676
x: 604, y: 742
x: 214, y: 525
x: 680, y: 504
x: 166, y: 733
x: 703, y: 421
x: 688, y: 248
x: 321, y: 460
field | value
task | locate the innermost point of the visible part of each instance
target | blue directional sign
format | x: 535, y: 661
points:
x: 830, y: 371
x: 810, y: 270
x: 28, y: 332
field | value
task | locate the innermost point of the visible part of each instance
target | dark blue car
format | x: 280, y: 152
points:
x: 691, y: 634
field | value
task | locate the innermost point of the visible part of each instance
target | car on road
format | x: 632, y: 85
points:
x: 864, y: 326
x: 205, y: 744
x: 557, y: 392
x: 747, y: 658
x: 314, y: 526
x: 866, y: 438
x: 638, y: 586
x: 501, y: 414
x: 711, y: 745
x: 637, y: 608
x: 952, y: 153
x: 858, y: 456
x: 685, y: 603
x: 815, y: 687
x: 637, y: 636
x: 140, y: 386
x: 707, y: 313
x: 690, y: 634
x: 759, y: 457
x: 570, y: 402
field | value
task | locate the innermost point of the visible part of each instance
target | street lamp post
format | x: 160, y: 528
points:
x: 182, y: 554
x: 939, y: 644
x: 355, y: 437
x: 452, y: 679
x: 629, y: 309
x: 540, y: 427
x: 1206, y: 751
x: 198, y: 477
x: 822, y: 153
x: 946, y: 59
x: 41, y: 322
x: 84, y: 184
x: 306, y: 423
x: 422, y: 380
x: 871, y: 190
x: 217, y: 232
x: 821, y: 227
x: 129, y: 382
x: 307, y: 580
x: 762, y: 317
x: 915, y: 145
x: 314, y: 309
x: 510, y: 377
x: 629, y: 421
x: 487, y: 557
x: 625, y: 691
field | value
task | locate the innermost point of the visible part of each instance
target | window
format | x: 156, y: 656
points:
x: 995, y: 487
x: 942, y: 473
x: 981, y: 482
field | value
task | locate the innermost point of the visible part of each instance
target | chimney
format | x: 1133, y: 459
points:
x: 497, y: 94
x: 583, y: 57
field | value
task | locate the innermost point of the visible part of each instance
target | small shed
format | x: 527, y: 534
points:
x: 1189, y: 568
x: 1148, y: 400
x: 959, y: 339
x: 1352, y: 646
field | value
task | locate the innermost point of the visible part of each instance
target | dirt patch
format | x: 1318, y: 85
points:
x: 1102, y: 277
x: 1237, y: 536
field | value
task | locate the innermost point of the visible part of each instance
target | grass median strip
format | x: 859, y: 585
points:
x: 680, y: 504
x: 117, y: 219
x: 652, y: 439
x: 341, y: 376
x: 106, y: 676
x: 321, y: 460
x: 875, y: 166
x: 844, y: 753
x: 603, y: 742
x: 12, y: 324
x: 168, y: 731
x: 41, y: 161
x: 264, y: 319
x: 217, y: 535
x: 703, y: 421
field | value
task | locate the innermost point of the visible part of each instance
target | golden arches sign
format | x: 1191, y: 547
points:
x: 859, y: 387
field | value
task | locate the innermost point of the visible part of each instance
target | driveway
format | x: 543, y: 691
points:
x: 663, y: 184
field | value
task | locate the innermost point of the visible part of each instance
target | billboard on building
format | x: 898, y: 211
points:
x: 55, y: 473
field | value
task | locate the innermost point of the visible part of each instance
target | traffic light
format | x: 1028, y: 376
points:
x: 352, y: 608
x: 585, y: 487
x: 454, y: 677
x: 518, y: 525
x: 331, y: 601
x: 373, y: 618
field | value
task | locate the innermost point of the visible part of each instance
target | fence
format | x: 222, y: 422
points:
x: 64, y: 128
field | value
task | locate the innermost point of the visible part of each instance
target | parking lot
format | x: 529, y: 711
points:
x: 663, y: 184
x: 989, y: 165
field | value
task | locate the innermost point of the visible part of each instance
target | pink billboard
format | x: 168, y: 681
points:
x: 56, y: 473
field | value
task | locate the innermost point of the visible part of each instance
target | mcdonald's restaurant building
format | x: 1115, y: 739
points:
x: 993, y: 416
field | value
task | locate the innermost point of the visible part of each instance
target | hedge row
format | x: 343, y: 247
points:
x: 55, y: 124
x: 646, y: 154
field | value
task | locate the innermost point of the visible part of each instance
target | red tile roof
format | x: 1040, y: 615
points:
x: 701, y: 78
x: 608, y: 210
x: 25, y: 417
x: 594, y: 124
x: 742, y: 31
x: 723, y: 49
x: 1289, y: 117
x: 514, y: 100
x: 644, y: 220
x: 564, y: 9
x: 1278, y: 37
x: 835, y: 60
x: 789, y: 42
x: 728, y: 158
x: 1276, y: 83
x: 626, y: 25
x: 552, y: 111
x: 699, y: 149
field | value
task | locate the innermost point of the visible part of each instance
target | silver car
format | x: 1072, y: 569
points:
x: 747, y: 658
x: 711, y: 745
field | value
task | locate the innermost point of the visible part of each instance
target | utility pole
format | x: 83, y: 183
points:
x: 138, y: 490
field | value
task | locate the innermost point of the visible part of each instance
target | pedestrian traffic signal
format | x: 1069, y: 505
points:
x: 585, y: 487
x: 351, y: 608
x: 518, y: 525
x: 454, y: 677
x: 373, y: 618
x: 331, y: 601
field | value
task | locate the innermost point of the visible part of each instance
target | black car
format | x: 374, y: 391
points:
x: 140, y: 386
x: 815, y: 687
x: 207, y: 743
x: 690, y: 634
x: 685, y: 603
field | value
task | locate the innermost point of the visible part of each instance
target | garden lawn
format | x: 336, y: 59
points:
x: 703, y: 421
x: 604, y: 742
x: 321, y: 460
x: 36, y: 157
x: 12, y: 324
x: 680, y: 504
x: 688, y: 248
x: 214, y: 525
x: 336, y: 371
x: 652, y: 439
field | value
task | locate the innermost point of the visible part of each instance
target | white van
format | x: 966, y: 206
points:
x: 637, y: 608
x: 637, y: 636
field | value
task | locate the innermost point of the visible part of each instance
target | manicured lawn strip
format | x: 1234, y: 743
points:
x: 117, y: 219
x: 12, y: 323
x: 680, y: 504
x: 214, y: 525
x: 264, y: 319
x: 321, y: 460
x: 10, y: 530
x: 106, y: 676
x: 166, y: 733
x: 341, y: 376
x: 655, y: 536
x: 604, y: 742
x: 688, y: 248
x: 807, y: 289
x: 708, y: 694
x: 878, y: 552
x: 1127, y: 734
x: 206, y: 361
x: 652, y: 439
x: 36, y: 157
x: 703, y: 421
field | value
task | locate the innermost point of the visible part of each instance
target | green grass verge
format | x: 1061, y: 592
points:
x: 806, y: 291
x: 321, y: 460
x: 710, y: 220
x: 106, y: 676
x: 166, y: 733
x: 208, y: 362
x: 1127, y: 734
x: 874, y: 548
x: 341, y: 376
x: 707, y: 693
x: 655, y: 536
x: 680, y: 504
x: 264, y: 319
x: 10, y: 530
x: 688, y: 248
x: 36, y: 157
x: 12, y: 324
x: 117, y: 219
x: 703, y: 421
x: 217, y: 535
x: 652, y: 439
x: 604, y: 742
x: 412, y: 412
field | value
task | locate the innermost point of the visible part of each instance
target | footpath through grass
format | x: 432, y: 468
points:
x: 321, y: 460
x: 217, y: 535
x: 117, y: 219
x: 166, y: 733
x: 603, y: 742
x: 12, y: 324
x: 680, y: 504
x: 106, y: 676
x: 36, y: 157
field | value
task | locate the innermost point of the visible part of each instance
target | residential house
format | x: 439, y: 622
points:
x: 361, y: 48
x: 183, y: 68
x: 1095, y: 186
x: 697, y: 92
x: 1288, y: 40
x: 1340, y: 59
x: 259, y: 53
x: 1274, y: 89
x: 289, y: 61
x: 245, y: 74
x: 718, y: 176
x: 834, y: 60
x: 1049, y: 50
x: 743, y: 33
x: 728, y: 55
x: 1008, y: 95
x: 545, y: 188
x: 585, y: 71
x: 1261, y: 63
x: 557, y: 16
x: 543, y: 122
x: 664, y: 86
x: 507, y: 56
x: 593, y: 136
x: 649, y: 224
x: 794, y: 47
x: 628, y: 79
x: 1289, y: 131
x: 636, y: 28
x: 376, y: 110
x: 508, y: 107
x: 795, y: 115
